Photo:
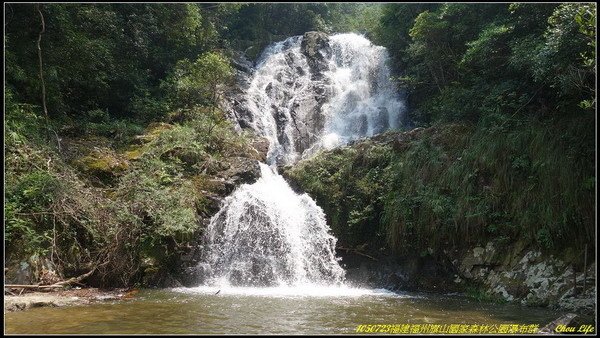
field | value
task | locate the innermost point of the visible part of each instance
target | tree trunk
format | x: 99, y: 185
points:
x: 39, y: 47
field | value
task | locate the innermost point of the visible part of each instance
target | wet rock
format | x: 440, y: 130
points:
x: 566, y: 320
x: 195, y: 275
x: 159, y: 277
x: 241, y: 63
x: 477, y: 260
x: 35, y: 270
x: 233, y: 102
x: 315, y: 46
x: 381, y: 118
x: 241, y: 170
x: 529, y: 277
x: 261, y: 146
x: 398, y: 273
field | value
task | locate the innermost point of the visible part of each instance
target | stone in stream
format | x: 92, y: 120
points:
x: 315, y: 46
x: 561, y: 323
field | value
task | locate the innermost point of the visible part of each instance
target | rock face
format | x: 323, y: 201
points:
x: 315, y: 46
x: 526, y: 276
x: 529, y: 277
x: 34, y: 270
x: 281, y: 98
x: 234, y: 102
x: 398, y: 273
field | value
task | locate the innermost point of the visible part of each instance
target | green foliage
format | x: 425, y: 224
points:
x: 522, y: 59
x: 568, y: 57
x: 201, y: 81
x: 23, y: 121
x: 361, y: 18
x: 518, y: 78
x: 157, y: 192
x: 394, y: 27
x: 110, y: 57
x: 479, y: 294
x: 348, y: 185
x: 451, y: 185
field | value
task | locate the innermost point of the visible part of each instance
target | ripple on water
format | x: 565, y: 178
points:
x: 292, y: 291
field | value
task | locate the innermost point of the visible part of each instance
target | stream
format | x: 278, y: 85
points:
x: 268, y: 311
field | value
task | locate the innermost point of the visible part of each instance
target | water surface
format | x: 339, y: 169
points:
x: 276, y: 311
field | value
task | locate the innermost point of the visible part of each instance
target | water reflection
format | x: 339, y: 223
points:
x: 170, y: 311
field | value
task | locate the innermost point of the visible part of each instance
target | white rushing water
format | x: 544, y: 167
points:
x: 363, y: 100
x: 351, y: 97
x: 265, y: 234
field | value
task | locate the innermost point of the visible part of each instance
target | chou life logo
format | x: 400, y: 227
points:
x: 573, y: 329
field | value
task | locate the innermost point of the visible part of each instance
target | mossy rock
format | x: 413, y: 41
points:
x: 74, y: 149
x: 103, y: 163
x: 204, y: 183
x: 134, y: 153
x: 153, y: 131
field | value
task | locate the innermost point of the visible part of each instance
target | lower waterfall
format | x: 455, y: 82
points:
x: 267, y: 235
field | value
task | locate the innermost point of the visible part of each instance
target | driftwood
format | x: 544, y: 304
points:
x: 357, y: 252
x: 22, y: 286
x: 74, y: 280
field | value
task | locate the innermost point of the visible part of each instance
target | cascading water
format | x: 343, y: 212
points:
x: 267, y: 235
x: 304, y: 97
x: 307, y: 93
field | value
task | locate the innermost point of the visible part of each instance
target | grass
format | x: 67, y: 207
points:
x: 455, y: 184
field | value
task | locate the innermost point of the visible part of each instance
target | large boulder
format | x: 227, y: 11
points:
x: 241, y: 170
x: 315, y: 46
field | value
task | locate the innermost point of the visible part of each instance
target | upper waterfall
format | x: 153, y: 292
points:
x: 312, y: 92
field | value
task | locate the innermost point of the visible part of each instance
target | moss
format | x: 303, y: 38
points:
x: 134, y: 153
x: 154, y: 130
x: 104, y: 162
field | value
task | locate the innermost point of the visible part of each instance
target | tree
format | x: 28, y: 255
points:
x: 199, y: 85
x: 567, y: 58
x: 202, y: 81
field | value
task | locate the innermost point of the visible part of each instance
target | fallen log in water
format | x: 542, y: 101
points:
x: 61, y: 284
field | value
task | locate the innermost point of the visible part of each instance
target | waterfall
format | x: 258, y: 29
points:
x: 306, y: 93
x: 303, y: 103
x: 267, y: 235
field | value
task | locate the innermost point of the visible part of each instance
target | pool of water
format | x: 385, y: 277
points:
x: 269, y: 311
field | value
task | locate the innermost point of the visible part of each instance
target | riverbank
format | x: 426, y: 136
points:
x: 82, y: 296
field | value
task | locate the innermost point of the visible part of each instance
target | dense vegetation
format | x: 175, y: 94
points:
x: 113, y: 128
x: 510, y: 94
x: 113, y: 133
x: 464, y: 63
